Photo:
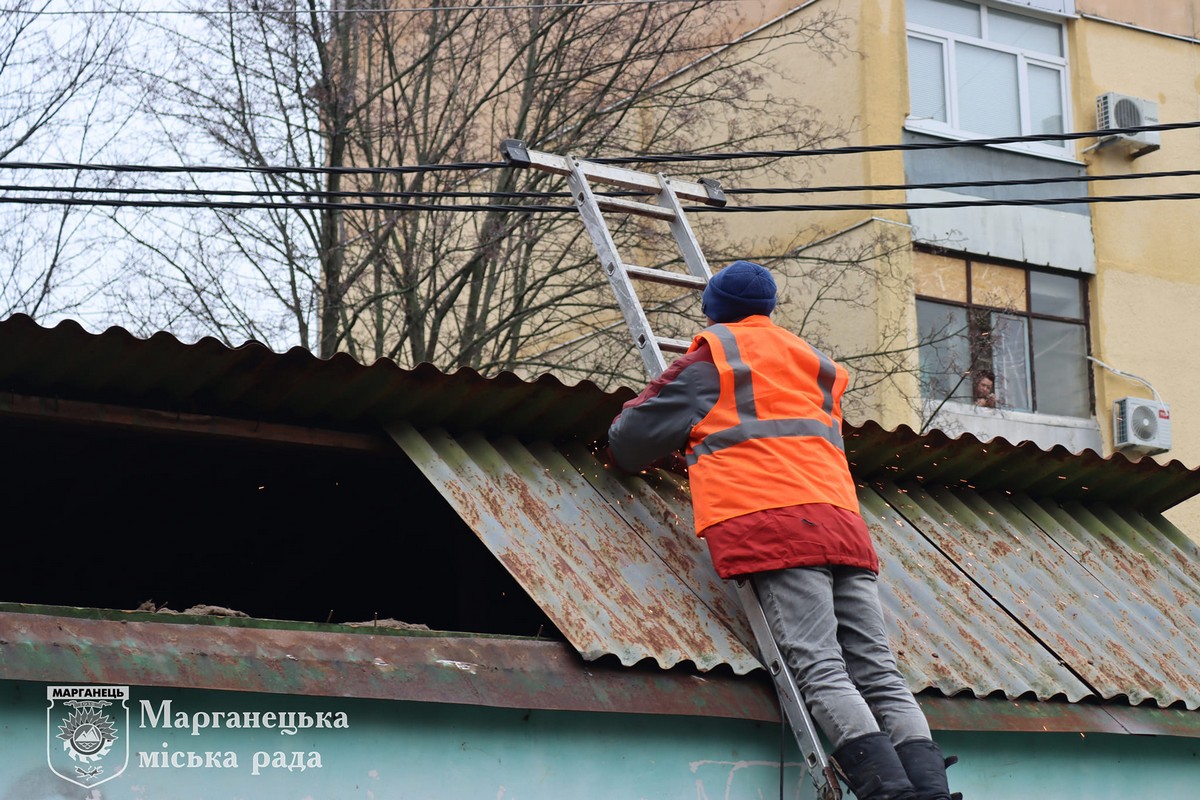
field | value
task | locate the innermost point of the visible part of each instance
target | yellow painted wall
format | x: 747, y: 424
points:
x: 1147, y: 288
x: 860, y: 91
x: 1178, y: 17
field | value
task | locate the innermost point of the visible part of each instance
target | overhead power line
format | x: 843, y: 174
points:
x: 301, y: 206
x: 316, y: 193
x: 883, y: 148
x: 555, y: 209
x: 235, y: 170
x: 639, y: 159
x: 887, y: 187
x: 487, y: 195
x: 1045, y: 201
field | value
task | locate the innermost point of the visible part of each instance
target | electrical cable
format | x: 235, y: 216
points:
x: 1130, y: 376
x: 1046, y: 201
x: 313, y: 206
x: 433, y: 194
x: 906, y: 146
x: 531, y: 208
x: 350, y: 193
x: 640, y: 159
x: 886, y: 187
x: 263, y: 170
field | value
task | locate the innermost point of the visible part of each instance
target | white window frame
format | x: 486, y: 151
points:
x: 1061, y: 149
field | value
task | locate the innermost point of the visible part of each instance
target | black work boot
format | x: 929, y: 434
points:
x: 872, y: 769
x: 926, y: 769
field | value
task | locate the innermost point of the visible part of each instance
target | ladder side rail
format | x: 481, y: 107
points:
x: 685, y: 239
x: 610, y: 261
x: 819, y: 769
x: 668, y: 192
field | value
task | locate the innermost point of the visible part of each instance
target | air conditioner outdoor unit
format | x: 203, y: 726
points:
x: 1122, y: 111
x: 1141, y: 426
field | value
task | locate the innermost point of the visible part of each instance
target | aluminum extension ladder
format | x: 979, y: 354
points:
x: 666, y: 193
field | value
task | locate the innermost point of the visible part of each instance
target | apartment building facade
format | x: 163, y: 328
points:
x: 1029, y: 315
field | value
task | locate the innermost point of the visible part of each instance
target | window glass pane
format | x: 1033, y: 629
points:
x: 1001, y: 287
x: 947, y: 15
x: 1045, y: 101
x: 1056, y: 295
x: 944, y: 353
x: 1060, y: 363
x: 926, y: 79
x: 939, y: 276
x: 1010, y: 362
x: 1026, y: 33
x: 987, y: 91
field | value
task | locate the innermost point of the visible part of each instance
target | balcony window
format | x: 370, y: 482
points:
x: 1000, y: 336
x: 981, y: 72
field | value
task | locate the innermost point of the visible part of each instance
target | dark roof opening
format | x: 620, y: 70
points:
x: 113, y: 520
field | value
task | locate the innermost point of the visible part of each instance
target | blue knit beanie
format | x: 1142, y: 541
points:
x: 740, y: 290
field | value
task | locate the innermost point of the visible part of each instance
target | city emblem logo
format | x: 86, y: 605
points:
x: 86, y: 733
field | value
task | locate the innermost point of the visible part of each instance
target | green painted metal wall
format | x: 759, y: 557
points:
x: 409, y: 750
x: 394, y: 750
x: 1072, y: 766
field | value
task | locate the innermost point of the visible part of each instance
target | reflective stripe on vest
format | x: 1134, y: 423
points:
x: 749, y: 425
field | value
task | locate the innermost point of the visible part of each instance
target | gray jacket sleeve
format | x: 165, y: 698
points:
x: 658, y: 421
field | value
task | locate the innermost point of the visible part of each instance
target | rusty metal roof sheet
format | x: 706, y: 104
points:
x: 985, y: 592
x: 610, y: 561
x: 1111, y: 594
x: 1008, y: 570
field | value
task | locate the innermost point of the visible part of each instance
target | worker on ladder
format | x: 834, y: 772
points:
x: 757, y: 410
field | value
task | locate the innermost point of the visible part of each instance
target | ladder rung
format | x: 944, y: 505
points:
x: 672, y: 345
x: 662, y: 276
x: 634, y: 207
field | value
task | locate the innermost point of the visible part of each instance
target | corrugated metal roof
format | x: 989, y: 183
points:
x: 295, y: 387
x: 1007, y: 569
x: 1112, y: 594
x: 935, y: 459
x: 252, y: 382
x: 984, y: 592
x: 617, y: 573
x: 948, y: 633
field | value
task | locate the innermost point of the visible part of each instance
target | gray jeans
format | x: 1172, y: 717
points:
x: 829, y: 626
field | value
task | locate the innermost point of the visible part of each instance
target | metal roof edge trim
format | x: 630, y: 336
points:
x: 468, y: 670
x: 1040, y: 716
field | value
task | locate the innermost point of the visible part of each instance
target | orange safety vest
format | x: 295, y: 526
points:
x: 774, y: 437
